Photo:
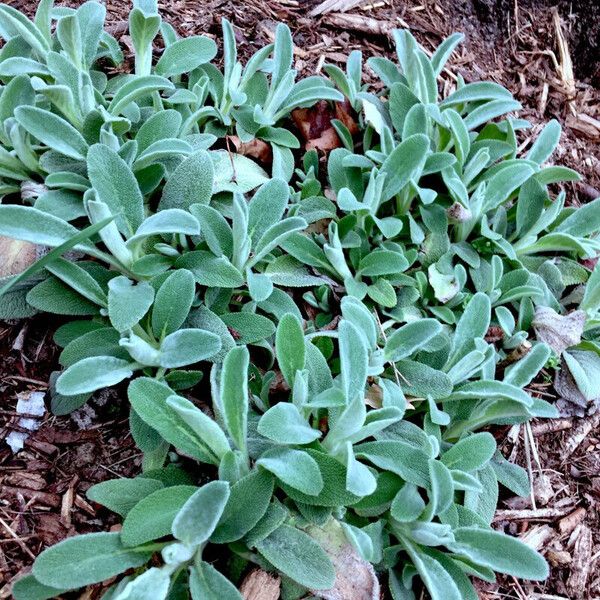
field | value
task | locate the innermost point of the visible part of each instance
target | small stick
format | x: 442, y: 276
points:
x: 529, y: 468
x: 540, y: 514
x: 17, y: 539
x: 359, y: 23
x: 544, y: 427
x: 26, y: 380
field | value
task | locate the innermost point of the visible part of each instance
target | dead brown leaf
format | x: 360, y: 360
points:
x: 315, y: 125
x: 256, y: 148
x: 558, y: 331
x: 343, y: 112
x: 326, y: 142
x: 16, y: 256
x: 355, y: 578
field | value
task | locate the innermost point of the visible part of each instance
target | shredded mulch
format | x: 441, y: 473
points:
x: 42, y: 487
x: 548, y: 54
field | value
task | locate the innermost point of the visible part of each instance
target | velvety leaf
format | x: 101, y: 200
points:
x: 382, y: 262
x: 173, y: 302
x: 523, y: 371
x: 206, y: 583
x: 334, y: 492
x: 295, y: 468
x: 284, y: 424
x: 161, y: 125
x: 167, y: 221
x: 398, y: 457
x: 116, y: 186
x: 188, y: 346
x: 53, y: 131
x: 53, y: 296
x: 201, y: 424
x: 249, y: 327
x: 545, y: 143
x: 149, y: 399
x: 437, y: 580
x: 215, y: 230
x: 234, y: 394
x: 152, y: 517
x: 210, y: 270
x: 471, y: 453
x: 353, y: 359
x: 79, y: 279
x: 32, y: 225
x: 128, y: 303
x: 500, y: 552
x: 473, y: 324
x: 289, y: 347
x: 248, y: 502
x: 85, y: 559
x: 408, y: 504
x: 185, y: 55
x: 299, y: 557
x: 190, y: 183
x: 409, y: 338
x: 136, y: 88
x: 154, y: 582
x: 29, y: 588
x: 94, y: 373
x: 198, y: 517
x: 121, y: 495
x: 403, y: 164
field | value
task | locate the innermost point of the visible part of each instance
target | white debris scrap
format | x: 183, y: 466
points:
x: 29, y: 403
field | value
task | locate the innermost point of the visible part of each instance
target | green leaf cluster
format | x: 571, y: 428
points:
x: 336, y: 313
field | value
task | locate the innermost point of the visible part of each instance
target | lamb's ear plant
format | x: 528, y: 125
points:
x: 405, y: 491
x: 356, y: 325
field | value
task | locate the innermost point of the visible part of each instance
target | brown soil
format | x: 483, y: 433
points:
x: 514, y: 42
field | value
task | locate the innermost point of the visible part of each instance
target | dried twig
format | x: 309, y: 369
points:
x: 541, y: 514
x: 552, y: 426
x: 328, y: 6
x: 17, y: 539
x: 360, y: 23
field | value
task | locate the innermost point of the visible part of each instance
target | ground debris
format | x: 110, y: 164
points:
x: 260, y: 585
x: 581, y: 563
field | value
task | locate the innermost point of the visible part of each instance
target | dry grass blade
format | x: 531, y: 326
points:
x: 566, y: 64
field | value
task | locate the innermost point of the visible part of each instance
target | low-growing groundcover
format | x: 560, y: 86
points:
x: 334, y: 314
